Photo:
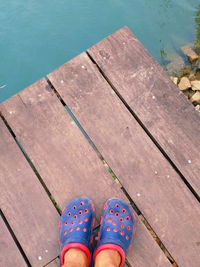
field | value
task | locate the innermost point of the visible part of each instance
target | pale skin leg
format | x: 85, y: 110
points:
x: 108, y: 258
x: 77, y: 258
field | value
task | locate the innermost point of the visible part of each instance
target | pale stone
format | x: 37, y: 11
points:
x: 196, y: 97
x: 174, y: 79
x: 195, y: 85
x: 190, y: 53
x: 197, y: 107
x: 184, y: 84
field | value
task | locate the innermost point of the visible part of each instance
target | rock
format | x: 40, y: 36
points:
x: 174, y: 79
x: 195, y: 85
x: 198, y: 75
x: 192, y: 76
x: 197, y: 107
x: 189, y: 52
x: 196, y: 65
x: 189, y: 93
x: 196, y: 98
x: 185, y: 71
x: 197, y: 46
x: 172, y: 57
x: 174, y: 67
x: 184, y: 84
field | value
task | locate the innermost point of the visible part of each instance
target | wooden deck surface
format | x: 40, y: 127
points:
x: 144, y: 129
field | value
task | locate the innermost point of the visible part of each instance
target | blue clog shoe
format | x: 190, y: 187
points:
x: 117, y: 228
x: 76, y: 225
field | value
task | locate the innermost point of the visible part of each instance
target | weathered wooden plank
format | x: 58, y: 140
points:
x: 25, y: 204
x: 9, y: 254
x: 164, y: 199
x: 150, y: 93
x: 65, y: 160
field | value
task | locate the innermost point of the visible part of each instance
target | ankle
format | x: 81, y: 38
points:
x: 108, y: 258
x: 75, y: 257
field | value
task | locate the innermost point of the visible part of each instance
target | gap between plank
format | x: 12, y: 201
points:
x: 51, y: 261
x: 32, y: 165
x: 145, y: 129
x: 134, y: 206
x: 15, y: 239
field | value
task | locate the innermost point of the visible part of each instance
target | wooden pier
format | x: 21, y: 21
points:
x: 112, y: 107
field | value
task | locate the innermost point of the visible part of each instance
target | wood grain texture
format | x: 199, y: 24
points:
x: 150, y: 93
x: 25, y: 204
x: 9, y: 254
x: 67, y: 163
x: 158, y: 191
x: 65, y: 160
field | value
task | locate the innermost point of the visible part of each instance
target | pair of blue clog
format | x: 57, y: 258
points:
x: 116, y: 231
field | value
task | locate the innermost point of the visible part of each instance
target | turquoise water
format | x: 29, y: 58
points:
x: 38, y: 36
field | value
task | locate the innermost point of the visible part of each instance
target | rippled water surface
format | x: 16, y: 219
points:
x: 38, y: 36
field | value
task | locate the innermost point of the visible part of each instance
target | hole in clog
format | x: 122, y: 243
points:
x: 65, y: 223
x: 111, y: 211
x: 85, y: 219
x: 80, y: 222
x: 128, y: 227
x: 127, y: 237
x: 117, y: 214
x: 72, y: 222
x: 86, y: 210
x: 74, y: 207
x: 75, y: 216
x: 65, y: 232
x: 80, y: 212
x: 69, y: 213
x: 123, y: 210
x: 82, y: 203
x: 117, y: 205
x: 121, y: 219
x: 115, y: 230
x: 78, y: 228
x: 114, y: 223
x: 109, y: 219
x: 84, y: 230
x: 122, y: 226
x: 127, y: 218
x: 121, y: 233
x: 108, y: 229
